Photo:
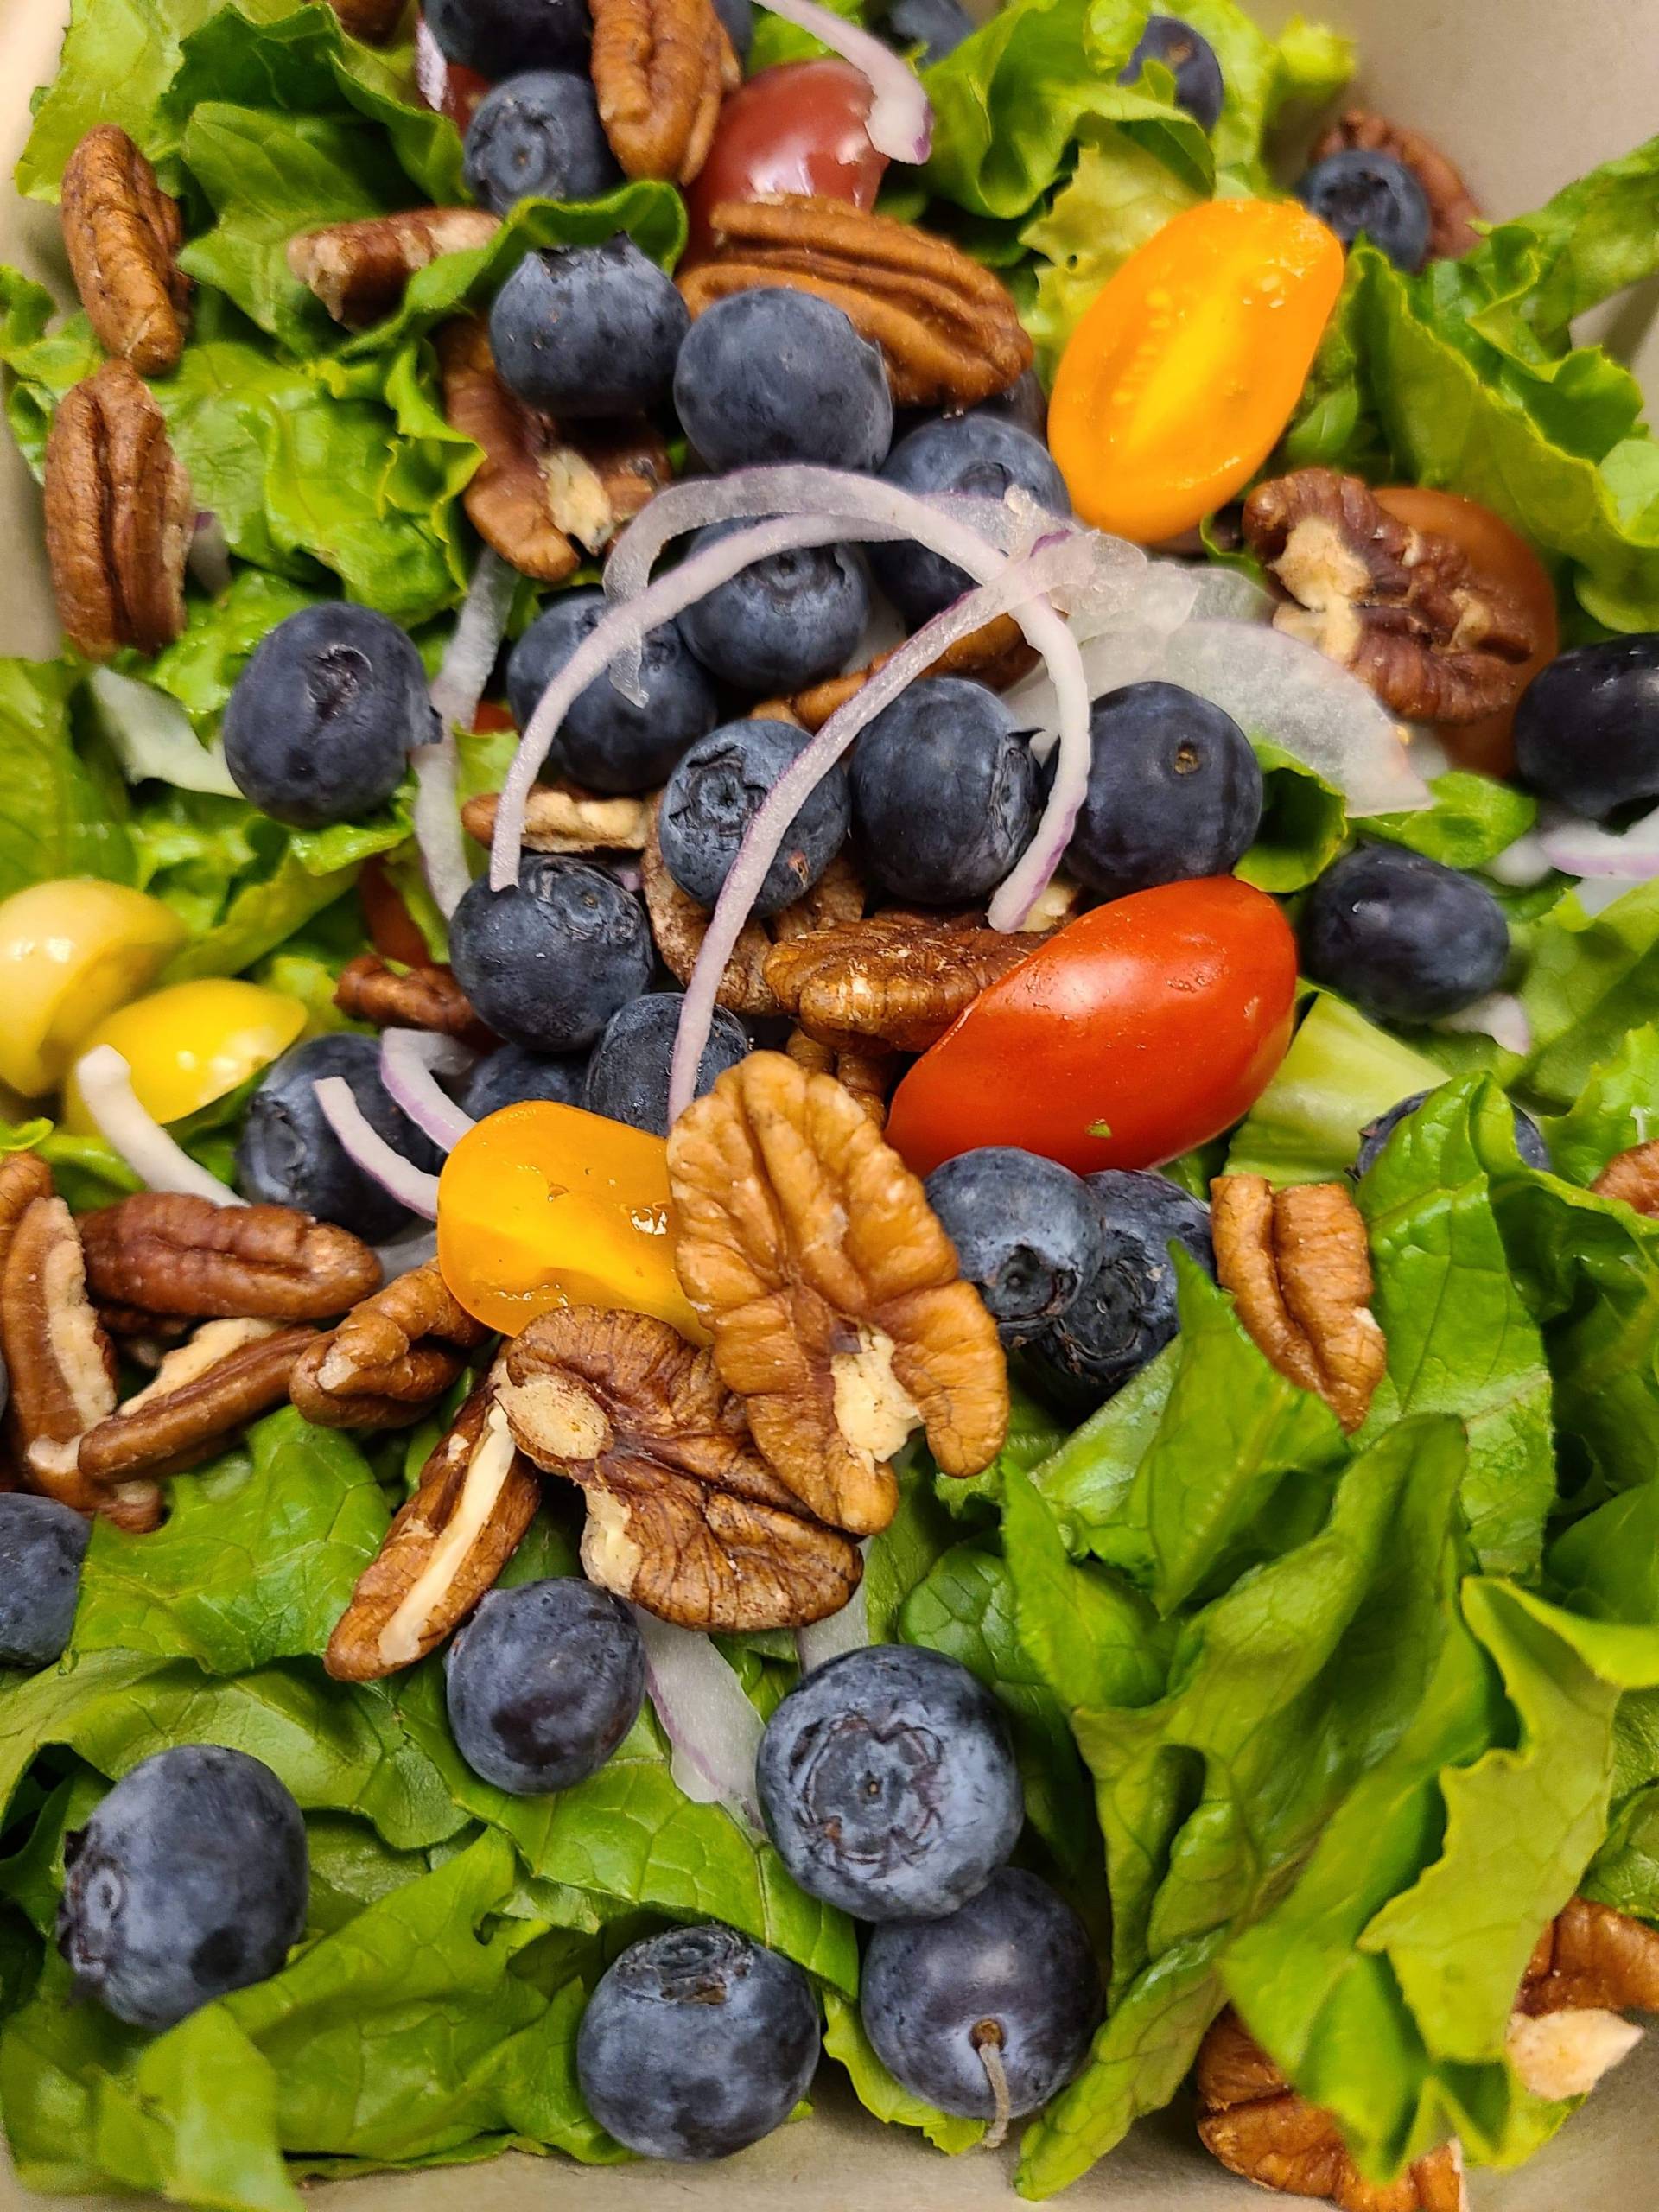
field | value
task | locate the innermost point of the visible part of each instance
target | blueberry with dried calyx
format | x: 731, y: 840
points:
x: 716, y: 791
x: 627, y: 1076
x: 548, y: 961
x: 775, y: 375
x: 1356, y: 192
x: 605, y: 742
x: 1174, y: 791
x: 781, y: 623
x: 544, y: 1683
x: 539, y: 137
x: 1027, y: 1233
x: 589, y: 330
x: 1126, y: 1311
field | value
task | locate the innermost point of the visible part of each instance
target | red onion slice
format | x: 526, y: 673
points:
x: 411, y: 1060
x: 160, y: 1163
x: 1584, y: 849
x: 431, y: 69
x: 1500, y: 1015
x: 846, y: 1630
x: 901, y: 120
x: 456, y: 689
x: 364, y: 1145
x: 713, y: 1732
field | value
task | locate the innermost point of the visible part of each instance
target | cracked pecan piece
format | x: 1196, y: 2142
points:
x: 946, y: 327
x: 893, y: 980
x: 684, y: 1517
x: 203, y: 1393
x: 122, y: 233
x: 1592, y: 1955
x: 1452, y: 207
x: 1298, y: 1264
x: 996, y: 656
x: 660, y: 70
x: 167, y: 1253
x: 1255, y: 2124
x: 1632, y: 1176
x: 1404, y: 609
x: 391, y: 1358
x: 832, y: 1295
x: 427, y: 997
x: 361, y: 270
x: 444, y: 1550
x: 868, y: 1075
x: 119, y: 514
x: 562, y: 817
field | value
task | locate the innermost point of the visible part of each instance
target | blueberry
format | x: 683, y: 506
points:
x: 1027, y: 1233
x: 738, y: 15
x: 1587, y: 731
x: 507, y: 1075
x: 189, y: 1880
x: 1012, y: 1969
x: 586, y: 330
x: 1126, y: 1312
x: 42, y: 1546
x: 1528, y: 1137
x: 716, y: 791
x: 782, y: 623
x: 1025, y: 403
x: 980, y: 455
x: 319, y: 727
x: 290, y: 1156
x: 775, y: 375
x: 499, y: 37
x: 1355, y: 191
x: 548, y: 961
x: 888, y: 1783
x: 627, y: 1076
x: 606, y: 742
x: 944, y: 793
x: 1404, y: 938
x: 539, y: 137
x: 544, y: 1683
x: 1190, y: 59
x: 1174, y: 791
x: 697, y: 2043
x: 937, y: 27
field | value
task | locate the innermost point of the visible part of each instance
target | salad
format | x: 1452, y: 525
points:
x: 829, y: 1208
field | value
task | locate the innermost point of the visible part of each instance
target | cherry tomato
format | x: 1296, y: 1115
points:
x: 797, y: 127
x: 190, y: 1044
x: 1495, y: 552
x: 446, y: 86
x: 1140, y: 1030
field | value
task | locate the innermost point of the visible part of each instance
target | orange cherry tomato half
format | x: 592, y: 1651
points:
x: 1142, y: 1029
x: 1494, y: 550
x: 1180, y: 380
x: 795, y: 127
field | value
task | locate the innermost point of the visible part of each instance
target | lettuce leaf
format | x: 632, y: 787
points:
x: 63, y: 815
x: 1472, y: 820
x: 1341, y: 1072
x: 1304, y: 825
x: 1590, y: 980
x: 877, y: 2091
x: 1617, y: 1109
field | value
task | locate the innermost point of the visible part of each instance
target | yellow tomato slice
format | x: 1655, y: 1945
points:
x: 70, y: 952
x: 190, y: 1044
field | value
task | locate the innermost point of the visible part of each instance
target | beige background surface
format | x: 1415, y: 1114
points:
x: 1525, y: 94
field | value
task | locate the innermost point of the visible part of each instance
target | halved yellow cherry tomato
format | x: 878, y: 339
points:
x: 71, y: 951
x: 190, y: 1044
x: 544, y: 1205
x: 1180, y: 380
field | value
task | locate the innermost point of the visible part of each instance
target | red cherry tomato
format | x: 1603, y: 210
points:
x: 393, y: 931
x: 1142, y: 1029
x: 797, y: 127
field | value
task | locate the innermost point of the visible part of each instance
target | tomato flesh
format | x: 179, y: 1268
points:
x: 795, y: 127
x: 1143, y: 1028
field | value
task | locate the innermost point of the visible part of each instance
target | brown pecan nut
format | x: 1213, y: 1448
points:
x: 996, y: 656
x: 391, y: 1358
x: 1592, y: 1955
x: 946, y: 327
x: 1404, y: 609
x: 867, y: 1076
x: 660, y: 70
x: 228, y: 1374
x: 375, y: 21
x: 1255, y: 2124
x: 1452, y: 210
x: 1633, y: 1177
x: 562, y: 817
x: 119, y: 514
x: 360, y: 271
x: 121, y: 234
x: 371, y: 990
x: 1299, y: 1265
x: 165, y: 1252
x: 684, y: 1517
x: 477, y: 1497
x: 831, y: 1294
x: 892, y: 980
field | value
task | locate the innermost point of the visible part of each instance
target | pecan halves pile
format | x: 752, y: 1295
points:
x: 1404, y: 609
x: 892, y: 980
x: 119, y: 514
x: 1452, y: 207
x: 360, y: 271
x: 832, y: 1295
x: 165, y: 1253
x: 660, y: 70
x: 389, y: 1359
x: 684, y: 1517
x: 122, y: 233
x: 947, y: 328
x: 202, y: 1393
x: 561, y: 817
x: 427, y: 997
x: 1298, y: 1263
x: 446, y: 1547
x: 1632, y: 1176
x: 1257, y: 2127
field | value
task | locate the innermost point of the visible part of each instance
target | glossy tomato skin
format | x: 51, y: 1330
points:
x: 1160, y: 1018
x: 795, y: 127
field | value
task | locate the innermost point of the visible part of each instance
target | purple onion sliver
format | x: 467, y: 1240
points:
x: 901, y: 121
x: 713, y: 1729
x: 159, y: 1161
x: 1584, y: 849
x: 410, y: 1060
x: 1500, y: 1015
x: 366, y: 1148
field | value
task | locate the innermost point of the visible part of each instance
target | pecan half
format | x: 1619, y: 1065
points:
x: 996, y: 656
x: 360, y: 271
x: 866, y: 1076
x: 1633, y: 1177
x: 374, y: 21
x: 427, y: 997
x: 896, y: 980
x: 119, y: 514
x: 165, y: 1252
x: 1255, y: 2124
x: 684, y: 1517
x: 660, y: 70
x: 1452, y: 207
x: 830, y: 1291
x: 946, y: 327
x: 228, y: 1374
x: 1590, y: 1955
x: 562, y: 817
x: 1298, y: 1262
x: 477, y: 1497
x: 122, y: 233
x: 391, y: 1358
x: 1404, y: 609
